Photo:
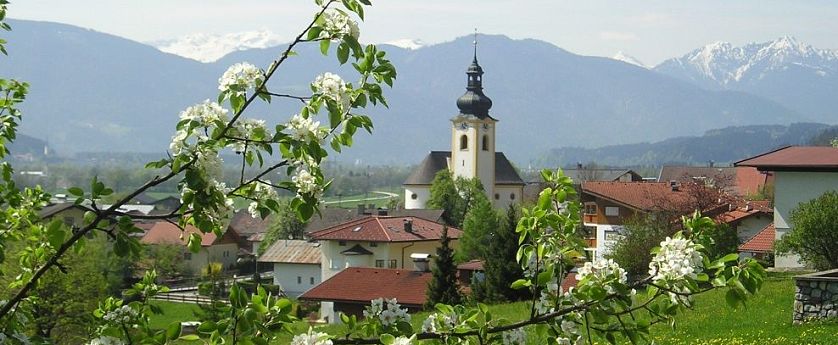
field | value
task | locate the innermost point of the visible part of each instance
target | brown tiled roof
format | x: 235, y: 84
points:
x: 795, y: 158
x: 762, y: 242
x: 52, y: 209
x: 292, y: 252
x: 473, y: 265
x: 645, y: 196
x: 168, y: 233
x: 385, y: 229
x: 686, y: 173
x: 363, y: 284
x: 750, y: 180
x: 245, y: 225
x: 331, y: 216
x: 750, y: 208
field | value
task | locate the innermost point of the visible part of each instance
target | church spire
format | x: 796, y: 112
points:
x: 474, y: 102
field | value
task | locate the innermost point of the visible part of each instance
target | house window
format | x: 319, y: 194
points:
x: 311, y: 281
x: 379, y: 263
x: 393, y: 264
x: 512, y: 196
x: 414, y: 196
x: 341, y: 243
x: 299, y: 280
x: 497, y: 196
x: 187, y: 256
x: 590, y: 208
x: 612, y: 211
x: 463, y: 142
x: 226, y: 253
x: 485, y: 142
x: 373, y: 244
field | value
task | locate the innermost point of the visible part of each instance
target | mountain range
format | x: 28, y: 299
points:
x: 93, y: 91
x: 725, y: 145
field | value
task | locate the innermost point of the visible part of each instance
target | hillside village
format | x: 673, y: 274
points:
x: 349, y: 256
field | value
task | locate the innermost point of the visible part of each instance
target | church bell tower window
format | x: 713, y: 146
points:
x: 463, y: 142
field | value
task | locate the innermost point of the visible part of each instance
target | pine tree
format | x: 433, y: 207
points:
x: 443, y: 286
x: 480, y: 222
x: 501, y: 266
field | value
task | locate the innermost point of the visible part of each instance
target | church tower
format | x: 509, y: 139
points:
x: 473, y: 132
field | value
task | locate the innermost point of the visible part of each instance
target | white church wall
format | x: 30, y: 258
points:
x: 416, y: 197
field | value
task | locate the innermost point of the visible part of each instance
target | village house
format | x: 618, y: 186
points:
x: 472, y: 153
x: 296, y: 265
x: 740, y: 180
x: 213, y: 248
x: 801, y: 173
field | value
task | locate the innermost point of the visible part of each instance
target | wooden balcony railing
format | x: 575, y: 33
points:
x: 589, y: 218
x: 590, y: 242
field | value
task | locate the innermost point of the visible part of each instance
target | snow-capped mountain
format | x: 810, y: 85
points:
x: 407, y: 43
x: 209, y: 48
x: 620, y: 56
x: 785, y: 70
x: 723, y: 64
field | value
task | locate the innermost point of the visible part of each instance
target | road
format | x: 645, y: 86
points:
x: 384, y: 195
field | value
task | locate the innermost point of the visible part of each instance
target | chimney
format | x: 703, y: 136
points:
x: 361, y: 209
x: 711, y: 163
x: 421, y: 262
x: 579, y: 165
x: 748, y: 206
x: 382, y: 211
x: 371, y: 207
x: 408, y: 225
x: 673, y: 185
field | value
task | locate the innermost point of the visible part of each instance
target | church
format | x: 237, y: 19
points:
x: 472, y: 154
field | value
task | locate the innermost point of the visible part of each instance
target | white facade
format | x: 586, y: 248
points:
x: 750, y: 226
x: 416, y: 197
x: 385, y: 255
x: 221, y: 253
x: 790, y: 189
x: 473, y: 151
x: 505, y: 195
x: 294, y: 279
x: 607, y: 236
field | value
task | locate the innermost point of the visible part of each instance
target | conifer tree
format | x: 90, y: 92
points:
x: 443, y: 286
x: 480, y: 222
x: 501, y: 267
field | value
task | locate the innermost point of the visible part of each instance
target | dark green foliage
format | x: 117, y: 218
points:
x: 454, y: 196
x: 724, y: 241
x: 501, y: 266
x: 166, y: 259
x: 642, y: 233
x: 443, y: 287
x: 480, y: 223
x: 814, y: 233
x: 283, y: 225
x: 214, y: 287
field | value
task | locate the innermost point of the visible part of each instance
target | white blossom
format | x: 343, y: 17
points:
x: 337, y: 23
x: 106, y: 340
x: 261, y: 191
x: 210, y: 165
x: 404, y: 340
x: 124, y: 314
x: 205, y: 113
x: 306, y: 129
x: 331, y: 86
x: 604, y: 272
x: 392, y: 314
x: 569, y: 327
x: 429, y: 325
x: 240, y: 76
x: 515, y: 337
x: 676, y: 259
x: 246, y: 129
x: 306, y: 182
x: 311, y: 338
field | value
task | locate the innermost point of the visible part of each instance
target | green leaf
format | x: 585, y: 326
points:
x: 732, y: 298
x: 343, y: 53
x: 173, y: 331
x: 387, y: 339
x: 76, y: 191
x: 730, y: 257
x: 324, y: 46
x: 521, y: 283
x: 55, y: 233
x: 190, y: 337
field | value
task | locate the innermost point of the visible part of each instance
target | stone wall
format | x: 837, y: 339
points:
x: 816, y: 296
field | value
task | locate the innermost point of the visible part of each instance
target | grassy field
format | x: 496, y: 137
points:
x: 173, y: 312
x: 765, y: 321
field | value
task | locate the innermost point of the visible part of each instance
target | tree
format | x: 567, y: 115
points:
x: 443, y: 287
x: 213, y: 286
x: 165, y: 259
x: 454, y: 196
x: 642, y: 233
x: 814, y: 232
x: 501, y: 265
x: 480, y: 222
x: 284, y: 224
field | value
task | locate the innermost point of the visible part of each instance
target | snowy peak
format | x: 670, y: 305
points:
x: 725, y: 64
x: 620, y: 56
x: 407, y: 43
x: 209, y: 48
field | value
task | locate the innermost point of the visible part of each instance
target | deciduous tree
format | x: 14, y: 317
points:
x: 814, y: 232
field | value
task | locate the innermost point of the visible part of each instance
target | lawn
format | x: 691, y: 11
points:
x: 173, y: 312
x: 765, y: 320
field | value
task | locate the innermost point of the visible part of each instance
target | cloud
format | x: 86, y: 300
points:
x: 617, y: 36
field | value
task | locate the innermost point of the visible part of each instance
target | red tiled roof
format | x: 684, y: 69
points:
x: 168, y: 233
x: 385, y: 229
x: 646, y: 196
x: 751, y: 208
x: 762, y: 242
x: 292, y: 251
x: 363, y: 284
x: 750, y: 180
x: 473, y: 265
x: 797, y: 158
x: 245, y: 225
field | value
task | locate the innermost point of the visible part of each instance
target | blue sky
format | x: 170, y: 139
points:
x: 649, y: 30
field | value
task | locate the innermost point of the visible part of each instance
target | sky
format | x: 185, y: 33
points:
x: 651, y: 31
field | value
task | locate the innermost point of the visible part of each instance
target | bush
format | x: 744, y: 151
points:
x: 642, y: 233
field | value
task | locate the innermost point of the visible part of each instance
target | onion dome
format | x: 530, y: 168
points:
x: 474, y: 102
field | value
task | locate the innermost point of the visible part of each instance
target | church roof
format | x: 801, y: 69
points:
x: 505, y: 173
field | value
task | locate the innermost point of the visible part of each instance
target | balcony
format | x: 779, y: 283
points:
x: 590, y: 242
x: 589, y: 218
